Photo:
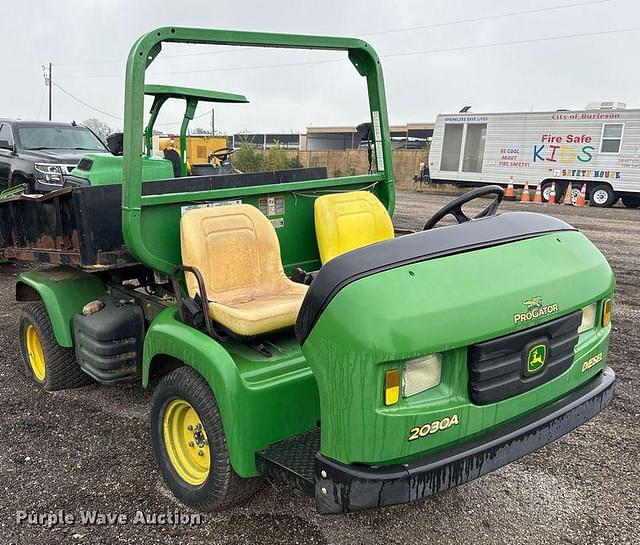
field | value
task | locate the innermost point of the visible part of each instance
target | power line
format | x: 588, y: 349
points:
x: 513, y: 42
x: 388, y: 55
x: 376, y: 33
x: 115, y: 116
x: 85, y: 104
x: 486, y: 18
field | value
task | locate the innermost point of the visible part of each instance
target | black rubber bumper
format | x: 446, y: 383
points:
x: 344, y: 488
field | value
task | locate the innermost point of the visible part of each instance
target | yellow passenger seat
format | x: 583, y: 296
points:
x: 236, y: 250
x: 346, y: 221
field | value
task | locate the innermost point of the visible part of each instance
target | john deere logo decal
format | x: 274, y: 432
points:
x: 536, y: 358
x: 535, y: 309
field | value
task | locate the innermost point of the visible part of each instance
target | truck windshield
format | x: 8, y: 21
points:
x: 48, y: 137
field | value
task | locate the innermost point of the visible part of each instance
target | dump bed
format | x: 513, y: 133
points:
x: 82, y: 226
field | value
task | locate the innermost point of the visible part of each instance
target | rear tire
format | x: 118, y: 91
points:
x: 190, y: 447
x: 602, y: 196
x: 631, y: 201
x: 49, y: 365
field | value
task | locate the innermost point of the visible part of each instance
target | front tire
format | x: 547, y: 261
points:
x: 189, y: 444
x: 49, y: 365
x: 602, y: 196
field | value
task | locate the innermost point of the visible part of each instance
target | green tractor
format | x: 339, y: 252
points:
x: 290, y: 332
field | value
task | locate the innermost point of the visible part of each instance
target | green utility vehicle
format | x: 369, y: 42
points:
x: 290, y: 332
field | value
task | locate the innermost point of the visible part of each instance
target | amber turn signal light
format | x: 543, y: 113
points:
x: 391, y: 387
x: 606, y: 312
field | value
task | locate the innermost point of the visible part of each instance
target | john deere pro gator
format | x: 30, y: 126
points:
x: 290, y: 332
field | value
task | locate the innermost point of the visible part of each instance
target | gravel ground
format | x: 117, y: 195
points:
x: 89, y: 449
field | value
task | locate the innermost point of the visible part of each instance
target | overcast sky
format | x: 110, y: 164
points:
x: 427, y: 71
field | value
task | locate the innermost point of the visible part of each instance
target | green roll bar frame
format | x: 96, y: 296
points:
x: 162, y: 93
x: 142, y: 54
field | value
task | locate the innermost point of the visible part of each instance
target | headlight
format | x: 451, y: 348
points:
x: 52, y: 174
x: 588, y: 318
x: 420, y: 374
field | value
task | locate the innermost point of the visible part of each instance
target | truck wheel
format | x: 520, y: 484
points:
x: 602, y: 196
x: 545, y: 190
x: 190, y: 446
x: 631, y: 202
x: 50, y: 366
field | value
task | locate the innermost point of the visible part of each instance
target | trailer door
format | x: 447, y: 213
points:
x: 463, y: 147
x: 475, y: 136
x: 451, y: 144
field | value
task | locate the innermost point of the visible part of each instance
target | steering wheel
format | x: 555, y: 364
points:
x: 221, y: 154
x: 455, y: 206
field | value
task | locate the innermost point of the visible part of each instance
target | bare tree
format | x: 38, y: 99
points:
x: 99, y: 127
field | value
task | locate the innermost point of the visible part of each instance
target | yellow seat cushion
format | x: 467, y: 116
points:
x: 236, y: 250
x: 346, y: 221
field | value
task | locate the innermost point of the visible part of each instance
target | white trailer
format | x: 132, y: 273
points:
x: 596, y: 147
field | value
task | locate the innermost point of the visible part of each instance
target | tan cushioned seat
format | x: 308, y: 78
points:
x: 346, y: 221
x: 237, y: 251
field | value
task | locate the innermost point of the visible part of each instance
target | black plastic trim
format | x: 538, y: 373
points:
x: 497, y: 366
x: 389, y: 254
x: 349, y: 488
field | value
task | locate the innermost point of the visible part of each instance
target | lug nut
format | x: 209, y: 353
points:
x: 191, y: 443
x: 200, y: 453
x: 190, y: 427
x: 323, y: 474
x: 323, y: 490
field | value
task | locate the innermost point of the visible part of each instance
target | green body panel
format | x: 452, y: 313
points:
x: 261, y: 400
x: 378, y: 322
x: 296, y: 234
x: 107, y: 169
x: 185, y: 93
x: 64, y: 291
x: 146, y: 218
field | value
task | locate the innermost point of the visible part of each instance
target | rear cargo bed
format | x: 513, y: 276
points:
x: 82, y: 226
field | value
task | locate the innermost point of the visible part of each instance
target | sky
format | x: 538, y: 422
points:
x: 437, y: 56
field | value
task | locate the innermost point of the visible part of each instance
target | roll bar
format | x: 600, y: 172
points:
x: 142, y: 54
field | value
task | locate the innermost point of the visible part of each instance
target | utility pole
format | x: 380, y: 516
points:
x: 213, y: 124
x: 48, y: 83
x: 50, y: 91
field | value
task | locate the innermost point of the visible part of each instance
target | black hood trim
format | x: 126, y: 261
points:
x: 421, y: 246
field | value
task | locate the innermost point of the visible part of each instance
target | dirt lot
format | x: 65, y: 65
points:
x: 89, y: 449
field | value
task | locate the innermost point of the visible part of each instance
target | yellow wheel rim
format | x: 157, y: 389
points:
x: 186, y: 442
x: 35, y: 353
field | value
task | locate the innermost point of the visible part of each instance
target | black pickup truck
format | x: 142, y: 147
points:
x: 40, y: 153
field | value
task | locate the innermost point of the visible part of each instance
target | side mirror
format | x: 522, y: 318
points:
x: 4, y: 144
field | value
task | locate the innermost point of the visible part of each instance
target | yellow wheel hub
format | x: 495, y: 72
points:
x: 35, y: 353
x: 186, y: 442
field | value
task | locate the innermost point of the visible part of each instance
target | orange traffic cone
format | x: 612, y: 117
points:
x: 525, y: 193
x: 537, y: 198
x: 582, y: 198
x: 510, y: 194
x: 568, y: 195
x: 552, y: 194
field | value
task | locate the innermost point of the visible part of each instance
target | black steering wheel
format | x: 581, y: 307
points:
x: 221, y: 154
x: 455, y: 206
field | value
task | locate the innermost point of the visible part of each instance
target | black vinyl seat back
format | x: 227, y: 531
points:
x: 172, y: 155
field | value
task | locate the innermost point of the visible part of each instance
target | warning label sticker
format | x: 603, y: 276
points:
x: 272, y: 206
x: 377, y: 133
